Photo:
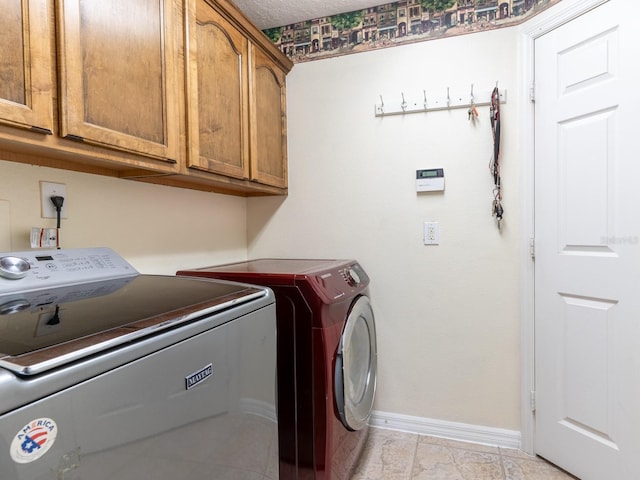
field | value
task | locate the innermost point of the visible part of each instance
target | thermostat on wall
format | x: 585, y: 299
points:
x: 430, y: 180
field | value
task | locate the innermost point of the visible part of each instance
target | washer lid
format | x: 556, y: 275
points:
x: 43, y: 329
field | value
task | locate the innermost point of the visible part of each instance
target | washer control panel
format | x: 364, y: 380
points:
x: 54, y: 268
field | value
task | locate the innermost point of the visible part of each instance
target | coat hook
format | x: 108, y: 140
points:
x: 473, y: 111
x: 381, y: 105
x: 404, y: 103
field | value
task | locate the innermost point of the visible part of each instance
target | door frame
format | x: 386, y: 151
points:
x: 541, y: 24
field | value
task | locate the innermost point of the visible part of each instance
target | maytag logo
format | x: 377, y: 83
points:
x: 198, y: 377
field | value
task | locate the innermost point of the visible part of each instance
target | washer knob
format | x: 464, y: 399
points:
x: 13, y: 267
x: 14, y: 306
x: 352, y: 278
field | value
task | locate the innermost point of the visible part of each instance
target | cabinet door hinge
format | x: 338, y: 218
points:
x: 532, y: 248
x: 532, y: 93
x: 532, y: 400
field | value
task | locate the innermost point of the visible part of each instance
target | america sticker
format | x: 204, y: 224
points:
x: 33, y: 440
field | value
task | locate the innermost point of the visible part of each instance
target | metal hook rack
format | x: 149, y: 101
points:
x: 425, y: 104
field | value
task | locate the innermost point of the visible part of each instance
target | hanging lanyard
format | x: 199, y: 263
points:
x: 494, y: 166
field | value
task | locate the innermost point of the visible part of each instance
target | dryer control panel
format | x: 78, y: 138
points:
x: 351, y: 277
x: 335, y: 284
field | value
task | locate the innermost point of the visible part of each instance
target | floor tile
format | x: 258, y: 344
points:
x: 392, y: 455
x: 439, y: 462
x: 535, y: 469
x: 478, y: 447
x: 387, y: 455
x: 514, y: 452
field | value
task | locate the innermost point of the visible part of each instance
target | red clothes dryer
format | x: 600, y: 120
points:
x: 327, y: 360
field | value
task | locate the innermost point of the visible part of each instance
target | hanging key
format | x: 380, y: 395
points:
x: 498, y: 211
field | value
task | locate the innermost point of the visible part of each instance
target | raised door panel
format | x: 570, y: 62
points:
x: 268, y: 122
x: 218, y: 107
x: 25, y: 65
x: 118, y: 77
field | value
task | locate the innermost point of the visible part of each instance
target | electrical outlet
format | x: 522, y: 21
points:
x: 431, y: 233
x: 48, y: 190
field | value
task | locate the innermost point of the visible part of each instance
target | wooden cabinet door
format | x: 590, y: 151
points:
x: 25, y: 65
x: 268, y: 121
x: 118, y: 75
x: 217, y: 93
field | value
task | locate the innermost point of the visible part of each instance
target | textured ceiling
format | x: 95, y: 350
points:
x: 276, y: 13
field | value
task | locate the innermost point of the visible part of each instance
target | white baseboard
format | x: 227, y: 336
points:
x: 438, y: 428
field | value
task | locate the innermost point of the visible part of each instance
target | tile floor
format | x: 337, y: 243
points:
x: 392, y: 455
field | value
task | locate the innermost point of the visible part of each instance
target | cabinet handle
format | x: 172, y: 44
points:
x: 75, y: 138
x: 44, y: 131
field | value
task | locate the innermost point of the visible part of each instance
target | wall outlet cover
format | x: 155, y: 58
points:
x: 48, y: 190
x: 431, y: 233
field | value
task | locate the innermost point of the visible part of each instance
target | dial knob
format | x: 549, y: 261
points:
x: 352, y: 277
x: 14, y: 306
x: 13, y: 267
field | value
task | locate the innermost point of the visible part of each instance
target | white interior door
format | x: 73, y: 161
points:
x: 587, y: 239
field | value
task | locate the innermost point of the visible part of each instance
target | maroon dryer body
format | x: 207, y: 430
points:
x: 327, y: 358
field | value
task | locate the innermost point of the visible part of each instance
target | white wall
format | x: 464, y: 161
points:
x: 447, y: 315
x: 158, y: 229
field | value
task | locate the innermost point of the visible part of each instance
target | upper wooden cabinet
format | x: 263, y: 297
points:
x: 25, y: 65
x: 118, y: 78
x: 217, y: 100
x: 268, y: 121
x: 236, y: 96
x: 187, y: 93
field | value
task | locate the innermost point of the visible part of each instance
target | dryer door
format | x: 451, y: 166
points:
x: 356, y: 366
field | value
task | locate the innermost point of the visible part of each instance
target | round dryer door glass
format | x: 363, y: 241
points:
x: 356, y: 366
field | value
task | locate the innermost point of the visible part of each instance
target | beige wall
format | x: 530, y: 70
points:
x: 447, y: 315
x: 158, y: 229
